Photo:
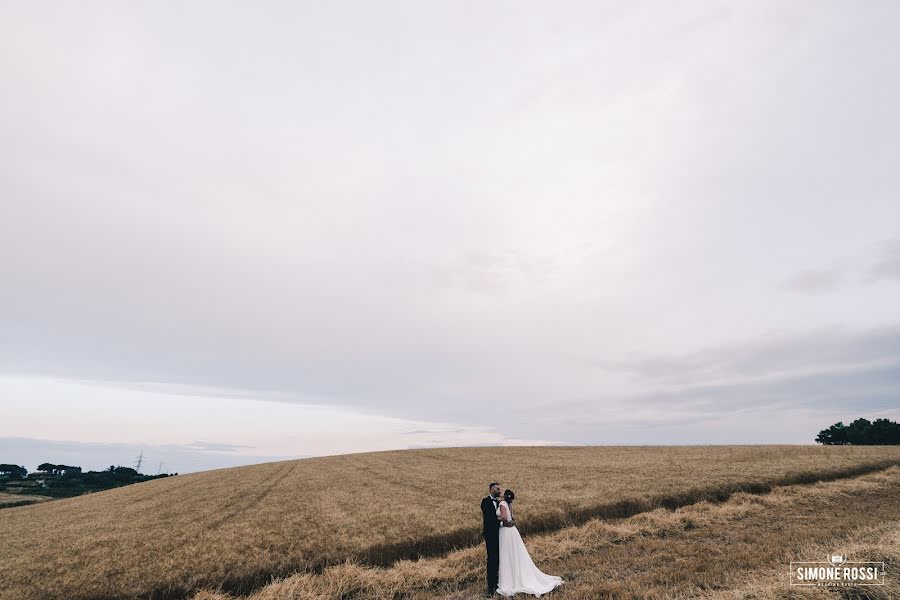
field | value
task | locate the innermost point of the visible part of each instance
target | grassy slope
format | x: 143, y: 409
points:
x: 237, y: 527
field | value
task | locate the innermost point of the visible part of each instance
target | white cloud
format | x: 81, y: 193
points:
x: 439, y: 212
x: 190, y: 428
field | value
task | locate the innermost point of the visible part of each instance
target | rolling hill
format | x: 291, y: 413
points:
x: 236, y: 529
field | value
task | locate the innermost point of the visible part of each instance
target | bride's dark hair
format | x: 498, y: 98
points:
x: 509, y: 496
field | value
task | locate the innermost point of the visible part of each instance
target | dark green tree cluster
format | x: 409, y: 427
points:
x: 13, y: 471
x: 62, y: 481
x: 58, y: 469
x: 861, y: 432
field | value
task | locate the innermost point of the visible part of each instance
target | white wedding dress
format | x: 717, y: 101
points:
x: 518, y: 573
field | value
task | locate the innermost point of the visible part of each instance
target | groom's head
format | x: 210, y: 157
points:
x: 495, y: 489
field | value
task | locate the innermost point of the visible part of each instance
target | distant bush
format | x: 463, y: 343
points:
x: 861, y: 432
x: 13, y: 471
x: 52, y: 469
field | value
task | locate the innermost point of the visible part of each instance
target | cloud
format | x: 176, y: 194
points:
x: 887, y: 265
x: 217, y: 446
x: 811, y: 379
x: 771, y: 355
x: 293, y: 205
x: 815, y: 281
x: 167, y: 422
x: 431, y: 431
x: 884, y: 265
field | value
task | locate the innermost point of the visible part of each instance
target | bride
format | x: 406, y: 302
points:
x: 517, y: 571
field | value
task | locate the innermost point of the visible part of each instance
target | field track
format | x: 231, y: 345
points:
x: 387, y: 554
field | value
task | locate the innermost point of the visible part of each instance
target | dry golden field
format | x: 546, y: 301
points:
x: 234, y: 530
x: 738, y: 549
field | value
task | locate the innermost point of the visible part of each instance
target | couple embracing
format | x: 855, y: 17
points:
x: 510, y: 570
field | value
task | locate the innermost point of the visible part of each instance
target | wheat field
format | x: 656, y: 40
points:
x: 738, y: 549
x: 232, y: 531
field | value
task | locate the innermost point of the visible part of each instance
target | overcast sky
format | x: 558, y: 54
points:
x: 232, y: 233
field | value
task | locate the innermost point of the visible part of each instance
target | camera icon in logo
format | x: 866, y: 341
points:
x: 837, y: 559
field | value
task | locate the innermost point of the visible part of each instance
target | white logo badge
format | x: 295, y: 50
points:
x: 837, y: 571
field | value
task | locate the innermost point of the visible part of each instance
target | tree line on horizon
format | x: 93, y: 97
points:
x: 63, y: 481
x: 861, y: 432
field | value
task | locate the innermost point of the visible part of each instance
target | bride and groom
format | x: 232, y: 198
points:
x: 510, y: 570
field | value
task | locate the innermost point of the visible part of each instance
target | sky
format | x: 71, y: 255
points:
x: 231, y: 234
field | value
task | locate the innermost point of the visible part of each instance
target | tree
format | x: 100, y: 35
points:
x: 836, y: 435
x: 861, y: 432
x: 125, y: 472
x: 884, y: 432
x: 13, y: 471
x: 858, y: 432
x: 52, y: 469
x: 69, y: 471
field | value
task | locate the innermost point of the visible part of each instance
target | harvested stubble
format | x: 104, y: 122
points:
x: 236, y: 529
x: 738, y: 549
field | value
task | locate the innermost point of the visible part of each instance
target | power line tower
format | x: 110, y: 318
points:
x: 139, y: 462
x: 159, y: 470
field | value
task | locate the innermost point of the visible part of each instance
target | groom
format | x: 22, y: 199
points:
x: 491, y: 534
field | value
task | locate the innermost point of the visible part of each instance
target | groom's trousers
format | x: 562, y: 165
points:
x: 492, y: 542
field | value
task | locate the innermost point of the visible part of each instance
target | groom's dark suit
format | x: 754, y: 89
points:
x: 491, y: 534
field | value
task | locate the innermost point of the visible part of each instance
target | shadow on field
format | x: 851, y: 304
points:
x: 384, y: 555
x: 15, y: 503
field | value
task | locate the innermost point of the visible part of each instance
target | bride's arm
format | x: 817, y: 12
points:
x: 504, y: 513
